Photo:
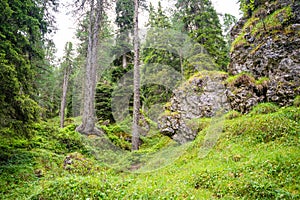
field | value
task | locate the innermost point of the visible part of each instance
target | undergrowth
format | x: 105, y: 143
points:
x: 255, y: 157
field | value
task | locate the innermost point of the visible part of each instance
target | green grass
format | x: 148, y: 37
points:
x: 256, y: 157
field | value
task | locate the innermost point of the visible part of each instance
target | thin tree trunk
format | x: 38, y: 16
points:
x: 64, y: 97
x: 88, y: 119
x: 181, y: 64
x: 124, y: 61
x: 136, y: 84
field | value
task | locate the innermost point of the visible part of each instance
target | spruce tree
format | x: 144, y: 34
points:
x: 201, y: 21
x: 22, y: 35
x: 67, y: 70
x: 124, y: 21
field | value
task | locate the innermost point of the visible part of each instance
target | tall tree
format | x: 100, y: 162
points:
x: 88, y: 118
x: 156, y: 55
x: 22, y: 36
x: 48, y: 84
x: 136, y: 81
x: 202, y: 23
x: 228, y: 22
x: 124, y: 21
x: 67, y: 67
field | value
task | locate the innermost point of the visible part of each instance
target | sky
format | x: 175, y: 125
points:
x: 66, y: 23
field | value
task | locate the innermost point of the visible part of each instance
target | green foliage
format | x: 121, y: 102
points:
x: 23, y: 26
x: 125, y: 12
x: 232, y: 114
x: 264, y: 108
x: 297, y: 101
x: 256, y: 157
x: 103, y: 101
x: 266, y: 128
x: 202, y: 23
x: 117, y: 133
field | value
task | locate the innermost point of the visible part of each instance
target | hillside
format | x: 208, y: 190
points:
x: 184, y: 113
x: 256, y: 157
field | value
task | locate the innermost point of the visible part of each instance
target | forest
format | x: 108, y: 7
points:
x: 185, y: 103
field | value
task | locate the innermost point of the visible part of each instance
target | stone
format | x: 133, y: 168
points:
x: 203, y: 95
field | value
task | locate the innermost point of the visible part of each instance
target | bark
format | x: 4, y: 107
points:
x: 64, y: 97
x: 88, y: 119
x: 124, y: 61
x: 136, y: 82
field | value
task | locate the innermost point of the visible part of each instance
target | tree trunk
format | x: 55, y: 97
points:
x: 181, y: 64
x: 124, y: 61
x: 88, y: 119
x: 64, y: 97
x: 136, y: 82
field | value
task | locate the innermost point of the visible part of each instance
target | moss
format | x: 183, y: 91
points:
x: 262, y: 81
x: 264, y: 108
x: 240, y: 40
x: 198, y: 124
x: 256, y: 48
x: 270, y: 24
x: 168, y: 105
x: 242, y: 78
x: 232, y: 115
x: 297, y: 101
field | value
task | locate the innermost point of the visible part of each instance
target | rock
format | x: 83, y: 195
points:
x: 275, y: 54
x: 265, y: 65
x: 201, y: 96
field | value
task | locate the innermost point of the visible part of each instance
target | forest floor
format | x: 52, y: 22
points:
x: 255, y: 157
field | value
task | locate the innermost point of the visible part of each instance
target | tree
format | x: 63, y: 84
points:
x: 67, y: 67
x: 136, y: 81
x: 228, y: 22
x: 156, y: 55
x: 22, y: 36
x: 88, y: 118
x: 203, y: 25
x: 124, y: 21
x: 49, y: 84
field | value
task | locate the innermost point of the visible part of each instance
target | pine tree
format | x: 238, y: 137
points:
x: 156, y: 55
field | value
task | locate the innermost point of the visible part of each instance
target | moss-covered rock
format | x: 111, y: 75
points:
x: 266, y: 44
x: 202, y: 95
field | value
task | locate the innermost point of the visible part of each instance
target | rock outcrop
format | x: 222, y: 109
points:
x: 267, y: 44
x: 203, y: 95
x: 265, y: 67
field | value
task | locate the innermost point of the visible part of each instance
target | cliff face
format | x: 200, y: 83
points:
x: 267, y: 44
x: 265, y: 67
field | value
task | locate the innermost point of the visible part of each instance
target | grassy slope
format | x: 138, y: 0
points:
x: 256, y: 157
